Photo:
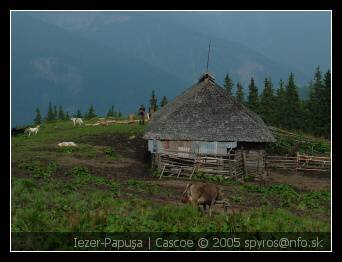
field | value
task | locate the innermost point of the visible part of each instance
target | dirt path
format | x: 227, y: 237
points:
x: 301, y: 181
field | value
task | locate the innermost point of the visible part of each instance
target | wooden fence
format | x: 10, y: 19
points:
x: 234, y: 165
x: 300, y: 163
x: 176, y: 163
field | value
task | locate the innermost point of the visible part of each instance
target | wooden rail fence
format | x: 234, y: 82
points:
x: 300, y: 163
x: 234, y: 165
x: 176, y: 163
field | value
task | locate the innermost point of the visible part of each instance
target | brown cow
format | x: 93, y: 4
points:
x: 202, y: 194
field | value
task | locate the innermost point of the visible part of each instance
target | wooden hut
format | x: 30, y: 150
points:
x: 206, y: 120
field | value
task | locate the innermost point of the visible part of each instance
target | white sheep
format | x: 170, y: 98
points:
x: 78, y: 121
x: 67, y: 144
x: 32, y: 130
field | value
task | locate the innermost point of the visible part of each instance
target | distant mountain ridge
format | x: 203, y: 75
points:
x: 174, y: 47
x: 51, y: 64
x: 80, y: 58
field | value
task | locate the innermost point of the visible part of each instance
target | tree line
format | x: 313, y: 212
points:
x: 154, y: 102
x: 59, y: 113
x: 282, y: 106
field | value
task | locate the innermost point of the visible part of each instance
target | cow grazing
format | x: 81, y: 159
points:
x: 202, y: 194
x: 77, y: 121
x: 32, y: 130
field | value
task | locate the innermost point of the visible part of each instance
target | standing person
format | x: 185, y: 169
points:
x: 142, y: 114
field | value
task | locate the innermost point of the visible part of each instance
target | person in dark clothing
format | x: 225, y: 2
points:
x: 142, y: 114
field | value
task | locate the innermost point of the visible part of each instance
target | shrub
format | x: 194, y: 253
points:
x: 36, y: 170
x: 110, y: 153
x: 79, y: 171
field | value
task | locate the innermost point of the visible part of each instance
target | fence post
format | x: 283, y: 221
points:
x: 266, y: 167
x: 244, y: 162
x: 297, y: 164
x: 258, y: 164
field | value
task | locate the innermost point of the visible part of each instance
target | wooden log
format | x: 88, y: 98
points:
x: 161, y: 174
x: 244, y: 163
x: 312, y: 169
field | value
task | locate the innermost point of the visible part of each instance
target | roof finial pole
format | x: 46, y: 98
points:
x: 208, y: 56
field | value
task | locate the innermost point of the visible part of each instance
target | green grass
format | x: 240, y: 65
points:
x: 50, y: 197
x: 298, y: 142
x: 36, y: 169
x: 288, y: 197
x: 44, y: 144
x: 142, y: 186
x: 65, y: 206
x: 110, y: 153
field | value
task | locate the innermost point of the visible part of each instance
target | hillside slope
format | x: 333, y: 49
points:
x: 52, y: 64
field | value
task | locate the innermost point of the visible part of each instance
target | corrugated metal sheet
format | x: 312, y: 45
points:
x: 191, y: 146
x: 208, y: 147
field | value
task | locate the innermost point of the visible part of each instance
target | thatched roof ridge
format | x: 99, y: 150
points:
x: 206, y: 112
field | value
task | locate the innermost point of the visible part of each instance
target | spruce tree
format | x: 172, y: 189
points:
x: 61, y: 115
x: 50, y: 114
x: 91, y: 113
x: 163, y: 102
x: 111, y: 112
x: 228, y: 84
x: 253, y: 100
x: 267, y: 102
x: 326, y: 105
x: 240, y: 96
x: 55, y: 112
x: 79, y: 114
x: 153, y: 102
x: 293, y: 112
x: 38, y: 118
x: 280, y: 105
x: 315, y: 105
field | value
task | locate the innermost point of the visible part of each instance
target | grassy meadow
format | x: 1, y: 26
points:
x: 104, y: 185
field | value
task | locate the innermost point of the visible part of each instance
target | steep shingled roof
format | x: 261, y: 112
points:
x: 206, y: 112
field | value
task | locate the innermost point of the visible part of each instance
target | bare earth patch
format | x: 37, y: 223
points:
x: 301, y: 181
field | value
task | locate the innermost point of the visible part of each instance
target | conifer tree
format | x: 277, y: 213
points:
x: 38, y: 118
x: 153, y: 102
x: 326, y: 105
x: 163, y: 102
x: 91, y: 113
x: 280, y: 102
x: 61, y: 115
x: 55, y: 112
x: 314, y: 103
x: 253, y: 100
x: 67, y: 116
x: 240, y: 96
x: 267, y: 102
x: 50, y: 114
x: 111, y: 112
x: 293, y: 112
x: 228, y: 84
x: 79, y: 114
